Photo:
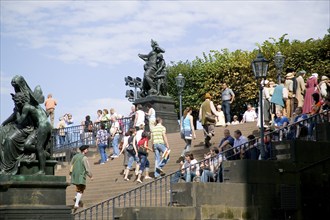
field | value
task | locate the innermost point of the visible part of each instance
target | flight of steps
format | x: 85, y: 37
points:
x: 108, y: 180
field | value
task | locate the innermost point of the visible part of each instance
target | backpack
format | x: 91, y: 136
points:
x: 90, y: 127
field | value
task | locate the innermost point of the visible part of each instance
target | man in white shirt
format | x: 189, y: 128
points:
x: 249, y: 115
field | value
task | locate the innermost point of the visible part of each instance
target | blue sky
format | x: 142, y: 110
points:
x: 80, y: 51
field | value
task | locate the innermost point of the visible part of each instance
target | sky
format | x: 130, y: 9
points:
x: 80, y: 51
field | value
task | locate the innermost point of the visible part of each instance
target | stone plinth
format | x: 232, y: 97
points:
x: 33, y: 197
x: 165, y: 109
x: 32, y: 167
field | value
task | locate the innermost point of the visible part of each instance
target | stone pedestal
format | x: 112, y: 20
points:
x: 32, y: 167
x: 33, y: 197
x: 27, y: 196
x: 165, y: 109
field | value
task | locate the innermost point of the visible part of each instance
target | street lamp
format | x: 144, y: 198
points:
x: 279, y: 62
x: 260, y: 67
x: 180, y: 81
x: 133, y: 82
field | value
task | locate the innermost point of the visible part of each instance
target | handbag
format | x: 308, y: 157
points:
x: 188, y: 134
x: 142, y: 151
x: 209, y: 117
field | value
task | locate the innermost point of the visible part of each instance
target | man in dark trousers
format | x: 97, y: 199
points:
x: 206, y: 112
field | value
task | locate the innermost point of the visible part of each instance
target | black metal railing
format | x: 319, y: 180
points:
x: 159, y: 191
x: 68, y: 139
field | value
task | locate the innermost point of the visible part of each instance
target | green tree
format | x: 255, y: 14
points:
x: 207, y: 73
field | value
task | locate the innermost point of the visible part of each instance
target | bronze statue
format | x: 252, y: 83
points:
x: 27, y: 131
x: 154, y: 81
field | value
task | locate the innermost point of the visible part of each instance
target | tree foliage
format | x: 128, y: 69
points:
x: 207, y: 73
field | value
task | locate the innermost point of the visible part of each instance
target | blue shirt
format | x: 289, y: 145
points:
x: 227, y: 94
x: 281, y: 121
x: 186, y: 124
x: 230, y: 139
x: 277, y: 97
x: 300, y: 117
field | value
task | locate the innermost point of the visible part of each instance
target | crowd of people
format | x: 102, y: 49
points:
x: 284, y: 104
x: 290, y: 101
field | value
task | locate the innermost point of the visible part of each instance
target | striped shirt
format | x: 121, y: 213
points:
x: 157, y: 134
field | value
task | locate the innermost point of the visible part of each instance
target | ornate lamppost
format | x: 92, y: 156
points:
x: 260, y: 67
x: 133, y: 82
x: 180, y: 81
x: 279, y: 62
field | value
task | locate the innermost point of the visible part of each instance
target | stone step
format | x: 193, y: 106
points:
x: 108, y: 181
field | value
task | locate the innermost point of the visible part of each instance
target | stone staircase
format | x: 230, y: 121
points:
x: 108, y: 179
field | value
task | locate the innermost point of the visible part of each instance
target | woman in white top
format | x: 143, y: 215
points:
x: 188, y: 129
x: 190, y: 167
x: 139, y: 117
x: 151, y: 116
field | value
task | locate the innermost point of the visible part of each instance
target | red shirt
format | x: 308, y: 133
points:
x: 142, y: 141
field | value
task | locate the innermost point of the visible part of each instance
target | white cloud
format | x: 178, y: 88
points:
x: 112, y: 32
x: 108, y: 35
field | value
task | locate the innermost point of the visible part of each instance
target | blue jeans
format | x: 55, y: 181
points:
x: 115, y: 144
x: 143, y: 162
x: 206, y: 176
x: 131, y: 159
x: 103, y: 154
x: 187, y: 147
x: 176, y: 177
x: 159, y: 162
x: 190, y: 175
x: 226, y: 110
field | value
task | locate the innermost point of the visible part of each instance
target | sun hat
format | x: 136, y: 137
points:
x: 324, y: 78
x: 208, y: 96
x: 289, y: 75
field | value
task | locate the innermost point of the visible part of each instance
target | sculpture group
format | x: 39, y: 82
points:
x: 154, y: 79
x: 26, y: 133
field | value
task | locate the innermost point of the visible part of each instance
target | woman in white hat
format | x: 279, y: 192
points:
x: 323, y: 86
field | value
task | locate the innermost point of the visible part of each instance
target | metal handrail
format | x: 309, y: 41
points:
x: 108, y: 206
x: 78, y: 136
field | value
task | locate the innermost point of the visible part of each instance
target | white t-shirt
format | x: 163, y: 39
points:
x: 140, y: 118
x: 138, y: 135
x: 249, y: 116
x: 113, y: 127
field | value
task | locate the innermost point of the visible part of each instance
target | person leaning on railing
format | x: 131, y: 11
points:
x: 250, y: 150
x: 189, y: 169
x: 211, y: 166
x: 226, y: 143
x: 316, y: 108
x: 298, y: 129
x: 281, y: 122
